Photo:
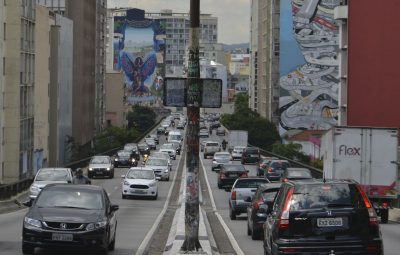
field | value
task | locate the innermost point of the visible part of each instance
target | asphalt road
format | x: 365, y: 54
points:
x: 135, y: 217
x: 238, y: 227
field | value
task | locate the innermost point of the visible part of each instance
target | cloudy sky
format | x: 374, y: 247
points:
x: 233, y: 15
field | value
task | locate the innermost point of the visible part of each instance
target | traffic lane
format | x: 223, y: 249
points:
x: 11, y: 231
x: 238, y: 227
x: 391, y: 237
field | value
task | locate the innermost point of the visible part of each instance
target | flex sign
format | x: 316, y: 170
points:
x: 345, y: 150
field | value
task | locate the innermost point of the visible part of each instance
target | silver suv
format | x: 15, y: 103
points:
x: 48, y: 176
x: 101, y: 165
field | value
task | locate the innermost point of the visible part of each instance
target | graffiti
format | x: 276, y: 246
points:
x: 194, y: 67
x: 308, y: 65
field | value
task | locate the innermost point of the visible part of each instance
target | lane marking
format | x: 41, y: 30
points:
x: 231, y: 238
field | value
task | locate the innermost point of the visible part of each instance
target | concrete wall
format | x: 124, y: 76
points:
x: 2, y: 45
x: 373, y: 79
x: 11, y: 109
x: 114, y: 99
x: 42, y: 81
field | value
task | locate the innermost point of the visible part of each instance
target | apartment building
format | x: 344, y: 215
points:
x: 2, y: 73
x: 253, y: 79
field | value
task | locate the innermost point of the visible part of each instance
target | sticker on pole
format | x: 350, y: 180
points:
x: 175, y: 92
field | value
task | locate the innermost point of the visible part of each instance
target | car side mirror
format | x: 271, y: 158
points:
x: 263, y: 208
x: 27, y: 203
x: 114, y: 208
x: 228, y: 189
x: 248, y: 199
x: 69, y: 181
x: 123, y: 176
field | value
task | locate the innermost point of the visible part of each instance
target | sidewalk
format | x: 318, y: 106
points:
x: 9, y: 205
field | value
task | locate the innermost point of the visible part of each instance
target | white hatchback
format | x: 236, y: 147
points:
x: 139, y: 181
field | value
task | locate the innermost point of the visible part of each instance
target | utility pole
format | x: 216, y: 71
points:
x: 191, y: 242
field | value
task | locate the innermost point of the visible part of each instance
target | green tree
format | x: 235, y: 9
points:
x: 292, y: 151
x: 141, y: 117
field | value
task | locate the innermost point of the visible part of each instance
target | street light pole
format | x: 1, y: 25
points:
x: 191, y: 242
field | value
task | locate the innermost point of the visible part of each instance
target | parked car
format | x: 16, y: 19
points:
x: 257, y: 212
x: 250, y: 155
x: 220, y: 131
x: 276, y: 168
x: 170, y: 149
x: 133, y: 148
x: 151, y: 143
x: 293, y: 174
x: 101, y: 165
x: 70, y: 216
x: 47, y: 176
x: 263, y: 165
x: 210, y: 148
x: 140, y: 181
x: 144, y: 148
x: 328, y: 216
x: 242, y: 193
x: 124, y: 158
x: 219, y: 159
x: 229, y: 173
x: 237, y: 152
x: 160, y: 167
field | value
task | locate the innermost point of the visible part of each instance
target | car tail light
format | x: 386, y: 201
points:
x: 285, y: 180
x: 258, y: 203
x: 222, y: 175
x: 372, y: 248
x: 289, y: 250
x: 270, y: 170
x: 284, y: 218
x: 243, y: 174
x: 233, y: 195
x: 373, y: 218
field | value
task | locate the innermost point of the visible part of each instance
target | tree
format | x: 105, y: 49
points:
x: 292, y: 151
x: 141, y: 117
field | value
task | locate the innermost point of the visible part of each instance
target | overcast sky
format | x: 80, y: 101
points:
x: 233, y: 15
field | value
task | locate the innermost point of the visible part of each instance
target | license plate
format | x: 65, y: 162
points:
x: 61, y: 237
x: 138, y: 191
x: 329, y: 222
x: 233, y: 175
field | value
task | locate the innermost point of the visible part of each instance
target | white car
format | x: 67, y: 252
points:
x: 219, y: 159
x: 237, y: 152
x: 170, y: 149
x: 139, y: 181
x: 101, y: 165
x: 164, y: 155
x: 48, y: 176
x: 160, y: 167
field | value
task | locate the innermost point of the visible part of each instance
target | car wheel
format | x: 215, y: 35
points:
x: 90, y: 176
x: 111, y: 246
x: 112, y: 176
x: 205, y: 156
x: 232, y: 214
x: 167, y: 179
x: 124, y: 196
x: 27, y: 249
x: 248, y: 229
x: 384, y: 216
x: 254, y: 235
x: 219, y: 186
x: 155, y: 197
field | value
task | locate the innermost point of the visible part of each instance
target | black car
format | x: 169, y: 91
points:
x: 144, y: 149
x: 275, y: 169
x: 160, y: 130
x: 296, y: 173
x: 229, y: 173
x: 124, y: 158
x: 251, y: 155
x: 133, y: 148
x: 70, y: 216
x: 322, y: 217
x: 256, y: 212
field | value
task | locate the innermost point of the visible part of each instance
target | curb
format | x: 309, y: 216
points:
x: 10, y: 205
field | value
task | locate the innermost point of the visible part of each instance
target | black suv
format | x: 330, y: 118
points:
x: 250, y: 155
x: 322, y: 217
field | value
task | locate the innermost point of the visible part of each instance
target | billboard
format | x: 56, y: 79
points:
x: 308, y: 65
x: 139, y: 54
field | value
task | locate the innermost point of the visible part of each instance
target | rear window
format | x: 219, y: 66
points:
x: 250, y: 183
x: 282, y: 165
x: 299, y: 173
x: 252, y: 151
x: 211, y: 144
x: 269, y: 195
x: 326, y: 196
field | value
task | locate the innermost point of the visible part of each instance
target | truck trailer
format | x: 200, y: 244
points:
x: 367, y: 155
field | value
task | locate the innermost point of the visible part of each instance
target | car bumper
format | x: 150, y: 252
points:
x: 150, y: 192
x: 161, y: 175
x: 273, y: 177
x: 240, y: 207
x: 341, y: 247
x: 83, y: 239
x: 125, y: 163
x: 251, y: 160
x: 227, y: 182
x: 102, y: 172
x: 236, y: 156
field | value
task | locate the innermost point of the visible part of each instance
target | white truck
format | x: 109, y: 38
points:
x: 368, y: 156
x: 237, y: 138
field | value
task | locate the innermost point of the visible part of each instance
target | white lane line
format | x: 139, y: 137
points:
x: 147, y: 238
x: 231, y: 238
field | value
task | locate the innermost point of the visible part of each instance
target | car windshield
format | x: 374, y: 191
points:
x: 326, y: 195
x: 231, y: 167
x: 269, y: 195
x: 238, y: 149
x: 167, y: 146
x: 156, y: 162
x: 142, y: 146
x: 252, y: 151
x: 249, y: 183
x: 280, y: 165
x: 74, y: 199
x: 124, y: 154
x: 140, y: 174
x: 212, y: 144
x: 160, y: 155
x: 175, y: 137
x: 100, y: 160
x: 222, y: 155
x: 52, y: 175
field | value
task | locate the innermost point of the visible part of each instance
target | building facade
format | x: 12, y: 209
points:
x: 2, y: 74
x: 253, y: 79
x: 18, y: 90
x: 115, y: 111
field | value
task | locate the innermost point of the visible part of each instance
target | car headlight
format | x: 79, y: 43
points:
x: 126, y: 183
x: 90, y: 169
x: 116, y: 159
x: 96, y: 225
x: 133, y: 160
x: 153, y: 184
x: 166, y: 170
x: 29, y: 222
x: 34, y: 189
x: 108, y: 169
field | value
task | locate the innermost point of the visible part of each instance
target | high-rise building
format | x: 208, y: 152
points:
x: 2, y: 73
x: 18, y: 90
x: 253, y: 79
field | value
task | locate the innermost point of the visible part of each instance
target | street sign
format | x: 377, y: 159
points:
x: 175, y: 92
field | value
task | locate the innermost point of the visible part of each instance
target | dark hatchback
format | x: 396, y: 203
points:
x: 322, y: 217
x: 251, y: 155
x: 124, y: 158
x: 257, y: 211
x: 229, y: 173
x: 70, y: 216
x: 275, y: 169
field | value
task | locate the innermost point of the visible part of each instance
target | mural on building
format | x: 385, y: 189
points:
x: 139, y: 53
x: 308, y: 65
